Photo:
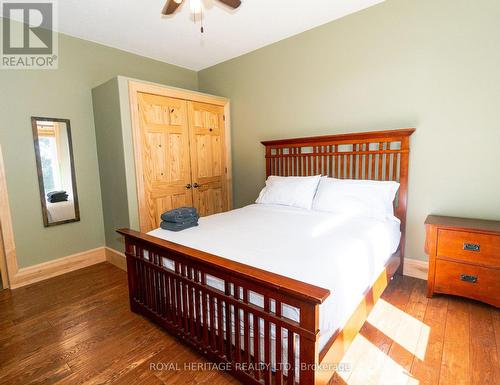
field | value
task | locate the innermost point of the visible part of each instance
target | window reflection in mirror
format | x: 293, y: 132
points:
x: 56, y: 175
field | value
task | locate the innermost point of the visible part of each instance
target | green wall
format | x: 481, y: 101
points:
x: 113, y: 178
x: 115, y: 151
x: 64, y: 93
x: 429, y: 64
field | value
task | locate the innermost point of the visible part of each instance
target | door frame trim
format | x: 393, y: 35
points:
x: 8, y: 256
x: 176, y: 93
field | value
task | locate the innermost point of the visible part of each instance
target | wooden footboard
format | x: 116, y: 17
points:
x: 174, y: 286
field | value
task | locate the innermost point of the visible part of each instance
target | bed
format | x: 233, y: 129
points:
x: 278, y: 293
x: 60, y: 211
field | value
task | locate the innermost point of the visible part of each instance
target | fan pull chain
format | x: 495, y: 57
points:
x: 202, y: 29
x: 201, y: 16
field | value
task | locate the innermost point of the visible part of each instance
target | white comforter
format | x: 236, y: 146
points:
x: 340, y: 253
x: 60, y: 211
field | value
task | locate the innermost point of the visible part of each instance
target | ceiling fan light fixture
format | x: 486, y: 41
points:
x: 195, y: 7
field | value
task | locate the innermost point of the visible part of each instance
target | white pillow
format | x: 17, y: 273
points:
x: 367, y: 198
x: 296, y: 191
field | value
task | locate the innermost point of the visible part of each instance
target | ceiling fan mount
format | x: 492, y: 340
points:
x: 172, y: 5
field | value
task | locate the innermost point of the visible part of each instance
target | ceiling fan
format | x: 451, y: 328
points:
x: 172, y: 5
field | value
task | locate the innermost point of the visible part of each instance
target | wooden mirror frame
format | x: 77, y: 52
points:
x: 46, y: 223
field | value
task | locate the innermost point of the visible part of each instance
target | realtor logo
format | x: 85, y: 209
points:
x: 28, y: 37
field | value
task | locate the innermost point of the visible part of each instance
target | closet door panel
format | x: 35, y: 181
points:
x: 165, y: 158
x: 203, y: 154
x: 217, y: 156
x: 209, y: 199
x: 208, y: 167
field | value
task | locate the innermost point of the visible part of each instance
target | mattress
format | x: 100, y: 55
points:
x: 344, y: 254
x: 60, y: 211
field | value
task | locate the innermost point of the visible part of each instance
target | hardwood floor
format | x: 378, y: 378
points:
x: 77, y: 329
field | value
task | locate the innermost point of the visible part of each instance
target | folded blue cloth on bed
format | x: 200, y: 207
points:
x: 178, y: 226
x: 58, y: 198
x: 57, y: 194
x: 182, y: 214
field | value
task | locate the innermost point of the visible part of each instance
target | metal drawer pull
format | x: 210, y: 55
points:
x: 468, y: 278
x: 472, y: 246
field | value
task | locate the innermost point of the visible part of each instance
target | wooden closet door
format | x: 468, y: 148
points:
x: 208, y: 166
x: 165, y: 157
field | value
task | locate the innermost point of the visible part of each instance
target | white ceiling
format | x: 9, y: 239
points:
x: 137, y: 26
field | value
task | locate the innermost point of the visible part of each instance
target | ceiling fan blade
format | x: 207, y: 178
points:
x: 170, y: 7
x: 231, y: 3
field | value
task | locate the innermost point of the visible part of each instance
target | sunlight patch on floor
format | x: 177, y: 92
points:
x: 401, y: 327
x: 370, y: 349
x: 371, y: 361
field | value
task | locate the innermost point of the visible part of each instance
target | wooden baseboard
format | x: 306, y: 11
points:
x: 416, y: 268
x: 42, y: 271
x: 116, y: 258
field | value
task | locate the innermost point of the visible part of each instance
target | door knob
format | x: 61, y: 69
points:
x: 188, y: 186
x: 196, y: 185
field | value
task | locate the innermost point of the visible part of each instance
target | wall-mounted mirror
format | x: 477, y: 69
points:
x: 56, y: 171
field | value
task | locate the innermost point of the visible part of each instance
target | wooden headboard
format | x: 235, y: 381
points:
x: 376, y: 155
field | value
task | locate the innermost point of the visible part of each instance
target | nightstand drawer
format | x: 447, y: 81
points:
x: 470, y: 281
x: 471, y: 247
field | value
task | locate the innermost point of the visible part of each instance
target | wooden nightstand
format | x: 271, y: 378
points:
x: 464, y: 258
